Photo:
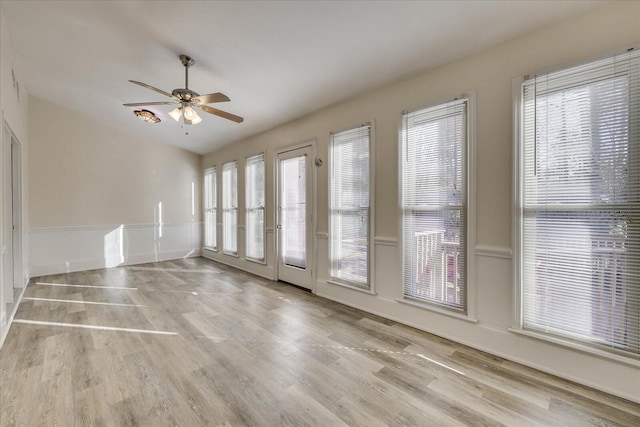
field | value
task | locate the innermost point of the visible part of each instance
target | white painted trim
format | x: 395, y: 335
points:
x: 618, y: 358
x: 471, y: 287
x: 471, y: 221
x: 246, y: 270
x: 371, y: 246
x: 108, y: 227
x: 516, y: 203
x: 255, y: 261
x: 438, y: 309
x: 348, y: 286
x: 7, y: 327
x: 385, y: 241
x: 310, y: 144
x: 493, y: 251
x: 262, y: 153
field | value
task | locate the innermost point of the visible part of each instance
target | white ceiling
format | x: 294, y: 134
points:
x: 276, y: 60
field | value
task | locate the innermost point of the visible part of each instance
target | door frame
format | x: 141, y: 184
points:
x: 11, y: 206
x: 312, y: 143
x: 16, y: 213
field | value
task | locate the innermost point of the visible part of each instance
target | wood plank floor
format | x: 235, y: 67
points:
x: 195, y: 343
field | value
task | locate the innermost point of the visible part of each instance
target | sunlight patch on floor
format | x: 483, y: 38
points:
x: 83, y: 302
x: 86, y: 286
x: 98, y: 327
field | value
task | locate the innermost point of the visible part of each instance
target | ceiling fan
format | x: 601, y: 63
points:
x: 188, y: 101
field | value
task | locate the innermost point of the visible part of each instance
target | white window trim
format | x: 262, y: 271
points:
x: 471, y: 285
x: 517, y: 205
x: 223, y: 251
x: 370, y: 287
x: 517, y: 167
x: 215, y: 224
x: 263, y: 260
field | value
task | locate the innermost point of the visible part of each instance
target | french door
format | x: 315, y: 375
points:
x: 294, y: 216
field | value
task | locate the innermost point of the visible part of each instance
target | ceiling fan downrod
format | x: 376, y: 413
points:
x: 187, y: 61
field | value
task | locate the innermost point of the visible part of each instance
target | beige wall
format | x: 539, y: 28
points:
x: 102, y: 196
x: 86, y: 172
x: 612, y: 28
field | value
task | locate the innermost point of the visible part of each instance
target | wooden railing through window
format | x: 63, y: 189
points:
x: 438, y: 267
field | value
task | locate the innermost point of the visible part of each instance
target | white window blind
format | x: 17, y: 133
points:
x: 255, y: 206
x: 230, y: 207
x: 210, y: 208
x: 580, y: 203
x: 349, y: 206
x: 434, y: 204
x: 293, y: 211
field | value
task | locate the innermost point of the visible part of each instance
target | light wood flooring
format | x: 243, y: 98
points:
x: 195, y: 343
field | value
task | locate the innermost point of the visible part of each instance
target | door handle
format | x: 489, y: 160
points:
x: 279, y: 226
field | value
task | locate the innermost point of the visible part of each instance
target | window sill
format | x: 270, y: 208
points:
x: 210, y: 249
x: 352, y: 287
x: 256, y: 261
x: 438, y: 310
x: 629, y: 361
x: 233, y: 254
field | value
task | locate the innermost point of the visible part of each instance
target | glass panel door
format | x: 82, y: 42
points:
x: 294, y: 216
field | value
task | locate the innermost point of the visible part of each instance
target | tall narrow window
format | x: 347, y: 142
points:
x: 230, y: 208
x: 579, y: 204
x: 434, y: 204
x: 349, y: 206
x: 210, y: 209
x: 254, y: 182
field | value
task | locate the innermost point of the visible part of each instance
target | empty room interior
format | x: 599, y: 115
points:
x: 362, y: 213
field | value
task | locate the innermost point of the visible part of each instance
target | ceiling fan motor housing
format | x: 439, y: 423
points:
x: 184, y: 94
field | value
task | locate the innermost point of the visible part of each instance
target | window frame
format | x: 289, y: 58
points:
x: 469, y: 314
x: 248, y: 209
x: 214, y: 208
x: 233, y: 209
x: 518, y: 183
x: 369, y: 287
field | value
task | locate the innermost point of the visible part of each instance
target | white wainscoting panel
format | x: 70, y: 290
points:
x: 67, y: 249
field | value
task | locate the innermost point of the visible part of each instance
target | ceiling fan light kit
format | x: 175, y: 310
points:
x: 147, y: 116
x: 188, y: 101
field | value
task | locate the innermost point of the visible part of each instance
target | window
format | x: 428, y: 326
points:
x: 230, y: 207
x: 349, y: 206
x: 579, y: 204
x: 210, y: 209
x: 434, y: 203
x: 255, y: 207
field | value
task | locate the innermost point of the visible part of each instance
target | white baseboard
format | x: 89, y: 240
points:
x: 14, y: 309
x: 501, y: 340
x: 260, y: 270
